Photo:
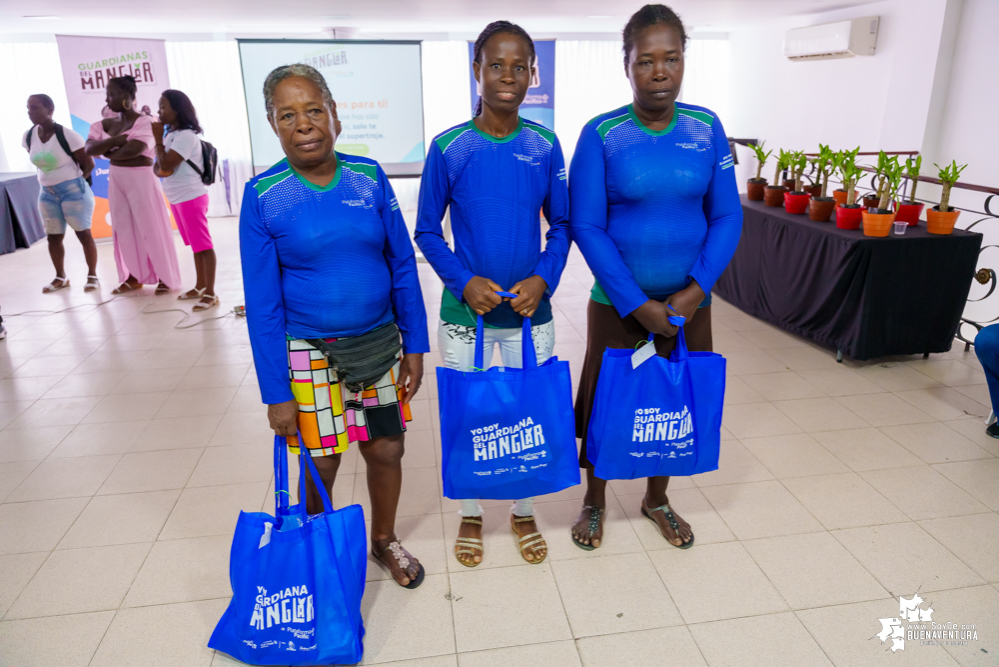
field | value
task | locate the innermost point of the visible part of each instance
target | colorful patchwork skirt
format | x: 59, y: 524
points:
x: 331, y: 417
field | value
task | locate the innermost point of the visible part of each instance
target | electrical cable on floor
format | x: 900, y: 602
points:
x: 238, y: 311
x: 187, y: 316
x: 81, y: 305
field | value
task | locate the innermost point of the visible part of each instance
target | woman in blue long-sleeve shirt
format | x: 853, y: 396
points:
x: 496, y: 172
x: 656, y: 213
x: 326, y: 256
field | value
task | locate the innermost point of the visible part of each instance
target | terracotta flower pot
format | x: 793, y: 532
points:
x: 840, y: 197
x: 878, y: 224
x: 940, y: 223
x: 848, y: 217
x: 814, y: 190
x: 796, y: 202
x: 773, y: 196
x: 820, y: 209
x: 871, y: 201
x: 755, y: 188
x: 908, y: 213
x: 789, y: 184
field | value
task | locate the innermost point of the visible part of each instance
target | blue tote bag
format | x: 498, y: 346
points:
x: 507, y: 433
x: 297, y: 580
x: 661, y: 418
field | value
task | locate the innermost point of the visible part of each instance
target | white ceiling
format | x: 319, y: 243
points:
x: 374, y: 18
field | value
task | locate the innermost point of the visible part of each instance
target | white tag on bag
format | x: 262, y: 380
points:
x: 265, y: 539
x: 643, y: 354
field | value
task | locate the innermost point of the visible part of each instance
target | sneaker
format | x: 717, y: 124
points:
x: 993, y: 430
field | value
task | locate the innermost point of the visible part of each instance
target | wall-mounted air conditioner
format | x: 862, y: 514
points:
x: 843, y: 39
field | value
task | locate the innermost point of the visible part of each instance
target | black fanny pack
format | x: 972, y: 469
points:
x: 362, y: 360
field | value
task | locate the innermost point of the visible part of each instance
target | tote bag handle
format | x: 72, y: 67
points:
x: 281, y: 477
x: 674, y: 369
x: 281, y: 493
x: 529, y: 359
x: 679, y: 352
x: 681, y: 343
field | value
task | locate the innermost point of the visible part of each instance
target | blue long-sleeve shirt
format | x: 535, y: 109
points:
x: 652, y: 210
x: 496, y: 189
x: 324, y: 262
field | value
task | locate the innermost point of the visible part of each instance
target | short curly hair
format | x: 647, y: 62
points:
x: 279, y: 74
x: 646, y: 17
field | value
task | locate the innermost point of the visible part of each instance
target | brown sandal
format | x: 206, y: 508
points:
x: 529, y: 541
x: 465, y: 545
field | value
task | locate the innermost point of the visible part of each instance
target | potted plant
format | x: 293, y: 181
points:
x: 791, y: 174
x: 941, y: 218
x: 797, y: 201
x: 840, y: 159
x: 849, y: 215
x: 773, y: 195
x: 909, y: 211
x: 820, y: 207
x: 872, y: 200
x: 814, y: 187
x: 756, y: 186
x: 878, y: 221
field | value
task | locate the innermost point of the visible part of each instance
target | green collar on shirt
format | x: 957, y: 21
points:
x: 654, y: 133
x: 498, y: 140
x: 312, y: 186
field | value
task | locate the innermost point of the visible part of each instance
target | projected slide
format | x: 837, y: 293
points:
x: 378, y: 91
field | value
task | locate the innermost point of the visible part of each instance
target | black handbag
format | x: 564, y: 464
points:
x: 360, y: 361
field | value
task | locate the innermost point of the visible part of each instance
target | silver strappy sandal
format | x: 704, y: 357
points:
x: 399, y: 554
x: 668, y: 511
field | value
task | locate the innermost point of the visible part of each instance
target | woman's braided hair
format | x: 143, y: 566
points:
x: 495, y: 28
x: 126, y: 83
x: 646, y: 17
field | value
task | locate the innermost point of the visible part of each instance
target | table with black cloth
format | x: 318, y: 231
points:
x: 867, y: 297
x: 20, y: 222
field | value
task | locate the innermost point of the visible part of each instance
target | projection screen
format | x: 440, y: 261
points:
x: 377, y: 86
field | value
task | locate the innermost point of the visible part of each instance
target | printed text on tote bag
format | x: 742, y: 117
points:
x: 653, y: 425
x: 292, y: 605
x: 492, y: 442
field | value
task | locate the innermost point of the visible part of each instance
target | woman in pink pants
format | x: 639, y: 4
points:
x: 143, y: 240
x: 179, y: 161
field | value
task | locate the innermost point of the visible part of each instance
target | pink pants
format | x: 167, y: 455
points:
x: 192, y: 222
x: 143, y: 240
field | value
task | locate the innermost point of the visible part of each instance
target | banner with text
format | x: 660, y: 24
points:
x: 539, y: 105
x: 87, y: 65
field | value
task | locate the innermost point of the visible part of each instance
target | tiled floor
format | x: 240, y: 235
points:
x: 127, y: 449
